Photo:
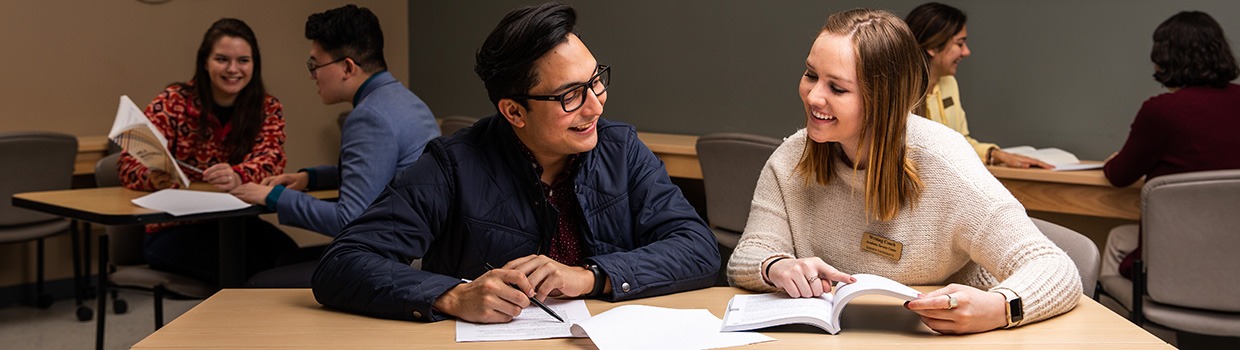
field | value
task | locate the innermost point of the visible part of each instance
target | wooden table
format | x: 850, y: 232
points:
x: 113, y: 206
x: 290, y: 318
x: 1084, y: 192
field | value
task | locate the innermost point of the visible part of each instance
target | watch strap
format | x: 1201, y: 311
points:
x: 1013, y: 307
x: 599, y: 280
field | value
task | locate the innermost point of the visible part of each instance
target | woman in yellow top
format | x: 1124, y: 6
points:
x: 941, y: 32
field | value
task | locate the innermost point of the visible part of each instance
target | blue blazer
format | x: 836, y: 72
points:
x: 473, y: 199
x: 383, y: 134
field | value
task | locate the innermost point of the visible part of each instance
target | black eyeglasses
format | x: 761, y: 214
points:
x: 575, y: 97
x: 313, y: 67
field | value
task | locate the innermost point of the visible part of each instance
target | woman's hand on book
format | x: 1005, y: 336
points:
x: 974, y: 310
x: 222, y: 177
x: 1018, y: 161
x: 804, y: 278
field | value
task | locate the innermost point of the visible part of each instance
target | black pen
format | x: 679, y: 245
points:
x: 535, y: 301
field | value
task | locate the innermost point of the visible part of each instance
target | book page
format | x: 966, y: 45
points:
x: 137, y: 136
x: 1049, y: 155
x: 869, y: 284
x: 650, y: 327
x: 532, y: 323
x: 755, y: 311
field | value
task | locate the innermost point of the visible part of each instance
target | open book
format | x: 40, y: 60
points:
x: 134, y: 133
x: 754, y: 311
x: 1061, y: 159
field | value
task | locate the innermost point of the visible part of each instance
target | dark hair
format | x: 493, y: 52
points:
x: 248, y: 112
x: 349, y: 31
x: 934, y: 24
x: 505, y: 62
x: 1191, y: 50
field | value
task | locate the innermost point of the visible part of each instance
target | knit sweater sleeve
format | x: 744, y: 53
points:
x: 1010, y: 247
x: 768, y: 232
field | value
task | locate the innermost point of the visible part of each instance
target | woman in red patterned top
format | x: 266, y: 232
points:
x: 222, y: 121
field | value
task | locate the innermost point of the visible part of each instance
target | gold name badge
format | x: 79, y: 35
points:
x: 882, y: 246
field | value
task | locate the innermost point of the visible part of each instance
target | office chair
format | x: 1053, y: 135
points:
x: 731, y: 164
x: 127, y: 266
x: 1081, y: 249
x: 36, y: 161
x: 451, y: 124
x: 1186, y: 276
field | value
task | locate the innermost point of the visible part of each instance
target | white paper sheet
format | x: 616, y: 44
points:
x: 532, y: 323
x: 180, y: 202
x: 649, y: 327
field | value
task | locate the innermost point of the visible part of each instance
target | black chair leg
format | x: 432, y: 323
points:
x: 42, y: 299
x: 1138, y: 292
x: 80, y: 286
x: 103, y: 301
x: 159, y: 307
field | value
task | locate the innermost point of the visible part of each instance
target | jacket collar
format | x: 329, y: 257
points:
x: 371, y: 84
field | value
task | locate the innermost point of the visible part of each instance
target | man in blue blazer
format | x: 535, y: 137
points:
x: 562, y: 202
x: 384, y: 133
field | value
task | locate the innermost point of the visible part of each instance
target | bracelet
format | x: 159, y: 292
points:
x: 990, y: 158
x: 767, y: 274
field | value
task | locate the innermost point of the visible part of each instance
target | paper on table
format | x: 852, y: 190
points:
x: 661, y: 328
x: 185, y: 202
x: 532, y: 323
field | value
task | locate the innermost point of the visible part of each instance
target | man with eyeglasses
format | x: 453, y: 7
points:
x: 385, y: 132
x: 565, y: 203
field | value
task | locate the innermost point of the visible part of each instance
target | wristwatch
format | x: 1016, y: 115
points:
x: 599, y: 280
x: 1015, y: 307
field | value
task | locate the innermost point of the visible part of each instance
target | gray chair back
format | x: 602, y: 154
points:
x: 1190, y: 238
x: 731, y: 164
x: 451, y: 124
x: 33, y: 161
x: 1081, y: 249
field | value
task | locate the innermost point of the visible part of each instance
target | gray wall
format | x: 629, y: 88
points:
x: 1068, y: 74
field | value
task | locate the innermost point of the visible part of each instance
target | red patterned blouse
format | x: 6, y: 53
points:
x: 173, y: 113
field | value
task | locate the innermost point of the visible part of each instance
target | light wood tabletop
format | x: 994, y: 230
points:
x: 291, y: 319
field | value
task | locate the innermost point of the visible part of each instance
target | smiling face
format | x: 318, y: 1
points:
x: 830, y: 92
x: 230, y: 66
x: 943, y: 62
x: 544, y: 127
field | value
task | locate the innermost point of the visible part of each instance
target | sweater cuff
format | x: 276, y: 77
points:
x: 274, y: 196
x: 314, y: 178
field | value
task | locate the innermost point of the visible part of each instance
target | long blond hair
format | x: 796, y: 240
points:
x: 892, y: 75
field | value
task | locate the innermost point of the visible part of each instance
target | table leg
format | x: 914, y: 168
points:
x: 232, y: 252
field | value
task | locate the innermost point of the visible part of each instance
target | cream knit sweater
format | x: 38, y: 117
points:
x: 966, y: 228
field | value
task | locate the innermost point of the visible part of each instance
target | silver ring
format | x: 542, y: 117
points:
x: 811, y: 279
x: 951, y: 302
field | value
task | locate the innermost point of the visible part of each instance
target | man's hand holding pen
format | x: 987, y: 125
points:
x: 495, y: 297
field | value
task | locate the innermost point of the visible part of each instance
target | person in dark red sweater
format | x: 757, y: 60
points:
x: 1194, y: 127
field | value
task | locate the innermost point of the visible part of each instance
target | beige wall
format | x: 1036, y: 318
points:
x: 63, y: 65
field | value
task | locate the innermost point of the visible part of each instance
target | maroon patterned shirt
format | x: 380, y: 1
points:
x: 566, y: 243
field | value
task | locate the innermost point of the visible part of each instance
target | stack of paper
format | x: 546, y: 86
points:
x: 186, y: 202
x: 625, y: 327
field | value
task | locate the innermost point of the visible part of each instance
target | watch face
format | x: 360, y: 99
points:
x: 1017, y: 308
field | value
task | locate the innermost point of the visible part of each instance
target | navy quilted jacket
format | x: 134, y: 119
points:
x: 473, y: 199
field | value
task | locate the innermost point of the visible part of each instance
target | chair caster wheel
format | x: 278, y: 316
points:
x: 120, y: 306
x: 85, y: 313
x: 45, y: 301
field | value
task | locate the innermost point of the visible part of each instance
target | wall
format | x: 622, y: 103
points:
x: 1066, y: 74
x: 65, y: 63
